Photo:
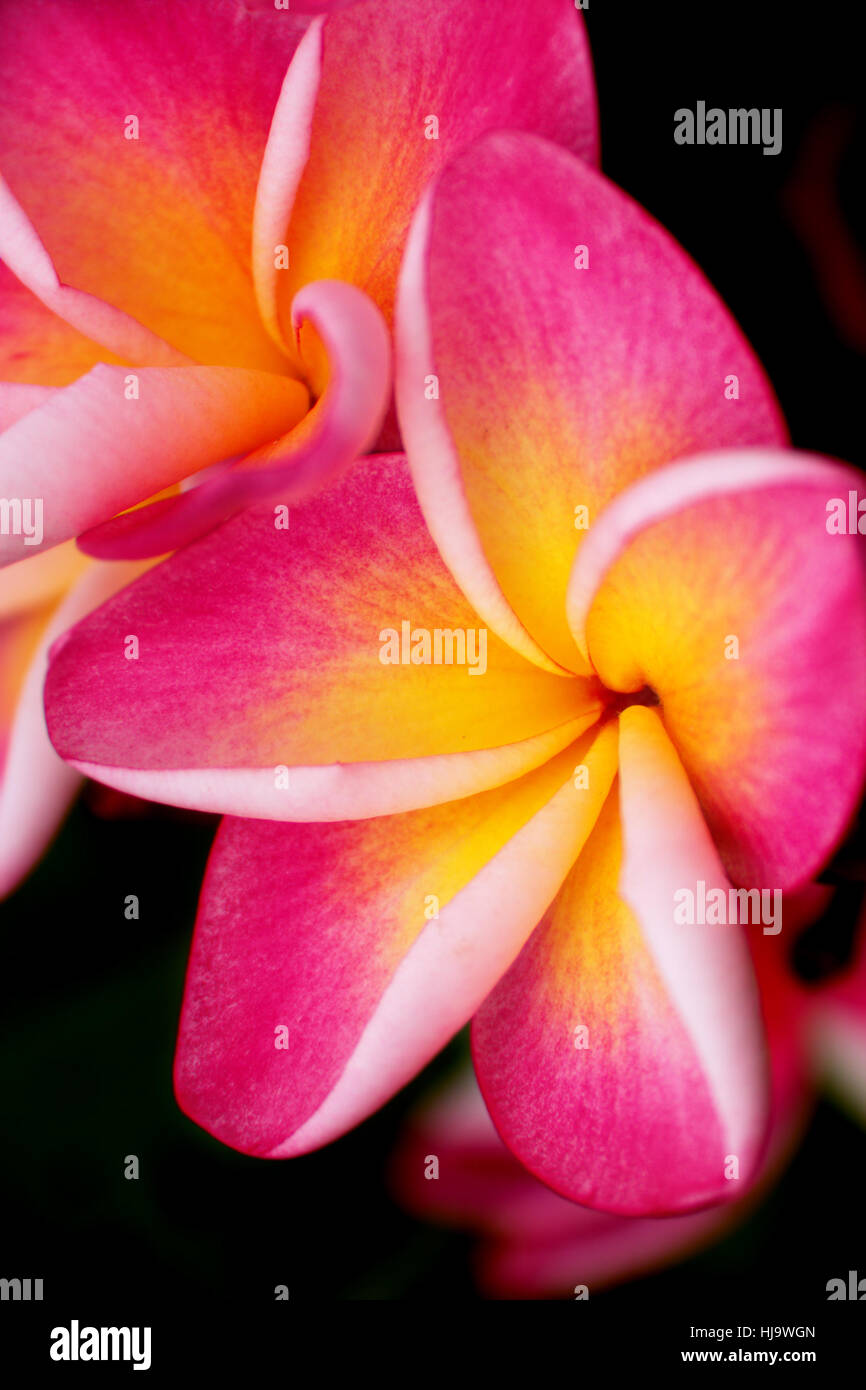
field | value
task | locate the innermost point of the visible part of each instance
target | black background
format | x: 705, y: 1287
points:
x: 90, y: 1001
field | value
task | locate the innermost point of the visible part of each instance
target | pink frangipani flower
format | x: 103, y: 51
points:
x: 671, y: 699
x: 203, y: 207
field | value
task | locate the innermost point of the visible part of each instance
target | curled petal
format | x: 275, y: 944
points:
x: 341, y: 426
x: 717, y: 583
x: 102, y: 443
x: 376, y: 101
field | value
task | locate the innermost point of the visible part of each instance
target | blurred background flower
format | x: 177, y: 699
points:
x: 451, y: 1167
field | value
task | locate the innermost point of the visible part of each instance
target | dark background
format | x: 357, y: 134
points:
x: 90, y: 1001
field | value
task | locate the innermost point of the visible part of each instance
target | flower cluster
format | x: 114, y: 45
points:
x: 322, y: 330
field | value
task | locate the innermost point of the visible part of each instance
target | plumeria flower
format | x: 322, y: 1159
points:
x: 671, y: 697
x: 451, y: 1167
x: 203, y: 207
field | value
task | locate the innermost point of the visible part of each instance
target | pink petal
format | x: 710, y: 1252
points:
x: 265, y: 645
x: 557, y: 385
x: 343, y: 424
x: 36, y: 347
x: 39, y: 580
x: 838, y: 1032
x: 339, y: 951
x: 671, y: 1085
x: 158, y: 226
x: 772, y: 732
x: 351, y: 148
x: 536, y: 1244
x: 88, y: 451
x: 27, y: 258
x: 37, y: 787
x: 309, y: 7
x: 18, y: 399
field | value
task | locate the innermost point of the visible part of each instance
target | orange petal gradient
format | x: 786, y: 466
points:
x: 372, y: 942
x: 265, y: 645
x: 642, y: 1113
x: 159, y: 225
x: 373, y: 79
x: 528, y: 388
x: 716, y: 583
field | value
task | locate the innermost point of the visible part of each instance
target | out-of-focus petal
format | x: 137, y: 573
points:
x: 39, y: 580
x: 717, y: 583
x: 622, y: 1057
x: 36, y: 786
x: 534, y: 1243
x: 838, y: 1032
x: 344, y: 951
x: 532, y: 387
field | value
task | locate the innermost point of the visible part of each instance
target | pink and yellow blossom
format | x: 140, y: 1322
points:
x: 158, y: 162
x: 608, y: 652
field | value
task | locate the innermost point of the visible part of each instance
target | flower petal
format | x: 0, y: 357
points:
x: 716, y: 583
x: 361, y: 103
x: 644, y: 1112
x: 342, y: 425
x: 26, y: 257
x: 344, y: 951
x: 92, y: 449
x: 19, y: 637
x: 838, y: 1031
x: 40, y: 580
x: 308, y: 7
x: 36, y: 347
x: 528, y: 388
x: 17, y: 399
x: 266, y: 646
x: 535, y: 1244
x: 155, y: 220
x: 36, y: 786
